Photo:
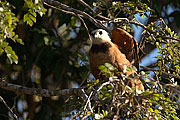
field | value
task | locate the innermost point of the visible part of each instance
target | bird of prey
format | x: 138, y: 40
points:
x: 103, y: 50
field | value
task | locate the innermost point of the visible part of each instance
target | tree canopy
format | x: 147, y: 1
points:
x: 44, y: 60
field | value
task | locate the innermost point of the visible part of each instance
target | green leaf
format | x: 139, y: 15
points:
x: 110, y: 67
x: 32, y: 18
x: 129, y: 69
x: 34, y: 14
x: 147, y: 92
x: 102, y: 68
x: 16, y: 37
x: 73, y: 21
x: 10, y: 22
x: 19, y: 40
x: 4, y: 44
x: 25, y: 17
x: 156, y: 111
x: 151, y: 110
x: 29, y: 3
x: 11, y: 54
x: 103, y: 113
x: 30, y: 22
x: 1, y: 51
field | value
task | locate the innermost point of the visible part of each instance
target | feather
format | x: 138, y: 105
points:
x: 127, y: 45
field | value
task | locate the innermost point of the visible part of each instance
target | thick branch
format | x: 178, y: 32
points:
x: 41, y: 92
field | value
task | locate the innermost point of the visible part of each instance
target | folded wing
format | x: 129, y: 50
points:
x: 127, y: 45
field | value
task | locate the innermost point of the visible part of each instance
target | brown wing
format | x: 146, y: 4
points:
x: 117, y: 59
x: 127, y: 45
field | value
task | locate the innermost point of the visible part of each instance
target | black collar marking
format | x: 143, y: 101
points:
x: 100, y: 48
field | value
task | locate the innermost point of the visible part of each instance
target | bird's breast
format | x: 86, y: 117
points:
x: 100, y: 53
x: 101, y: 48
x: 101, y: 58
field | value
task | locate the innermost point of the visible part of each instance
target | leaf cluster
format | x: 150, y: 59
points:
x: 117, y: 8
x: 116, y: 98
x: 33, y: 8
x: 7, y: 31
x: 168, y: 44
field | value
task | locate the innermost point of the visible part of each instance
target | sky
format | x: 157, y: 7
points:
x: 149, y: 59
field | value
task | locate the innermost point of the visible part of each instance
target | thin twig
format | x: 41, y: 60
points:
x: 87, y: 6
x: 75, y: 11
x: 151, y: 69
x: 61, y: 10
x: 4, y: 102
x: 85, y: 79
x: 89, y: 102
x: 104, y: 84
x: 166, y: 37
x: 143, y: 26
x: 85, y: 26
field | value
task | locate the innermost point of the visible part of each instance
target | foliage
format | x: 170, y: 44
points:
x: 50, y: 51
x: 129, y: 8
x: 166, y: 41
x: 8, y: 25
x: 116, y: 99
x: 33, y: 8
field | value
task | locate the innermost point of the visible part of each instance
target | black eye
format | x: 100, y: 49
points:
x: 100, y: 32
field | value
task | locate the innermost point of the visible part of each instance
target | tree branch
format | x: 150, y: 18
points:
x: 14, y: 115
x: 61, y: 10
x: 166, y: 37
x: 75, y: 11
x: 69, y: 10
x: 41, y: 92
x: 169, y: 74
x: 87, y: 6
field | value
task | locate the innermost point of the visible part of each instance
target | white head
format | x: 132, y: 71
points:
x: 100, y: 36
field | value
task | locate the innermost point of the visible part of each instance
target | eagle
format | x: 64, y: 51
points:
x: 116, y: 51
